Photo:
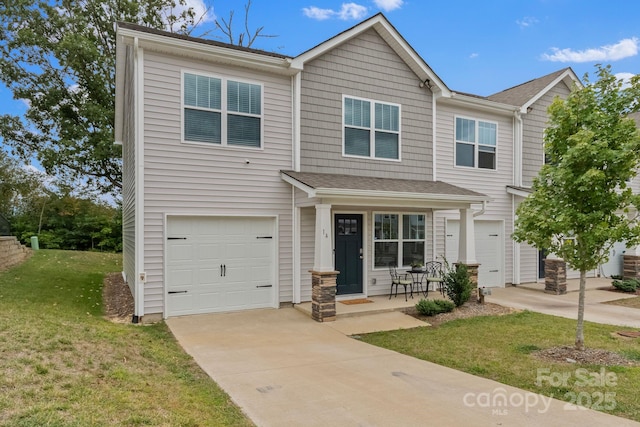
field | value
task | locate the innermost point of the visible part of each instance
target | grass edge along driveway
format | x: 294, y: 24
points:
x: 63, y: 364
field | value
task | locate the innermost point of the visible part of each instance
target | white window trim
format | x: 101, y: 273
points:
x: 400, y: 238
x: 475, y: 144
x: 223, y: 111
x: 372, y: 129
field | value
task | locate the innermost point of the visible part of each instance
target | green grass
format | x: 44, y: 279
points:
x: 63, y: 364
x: 501, y: 347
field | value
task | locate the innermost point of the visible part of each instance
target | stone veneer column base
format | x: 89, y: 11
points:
x: 555, y: 276
x: 631, y: 267
x: 472, y: 270
x: 323, y: 295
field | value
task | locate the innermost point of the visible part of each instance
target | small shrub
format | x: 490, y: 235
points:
x: 629, y: 285
x: 458, y: 284
x: 433, y: 307
x: 445, y: 306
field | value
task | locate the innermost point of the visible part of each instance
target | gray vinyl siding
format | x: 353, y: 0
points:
x: 364, y: 67
x: 201, y: 179
x: 128, y: 174
x: 534, y: 124
x: 490, y: 182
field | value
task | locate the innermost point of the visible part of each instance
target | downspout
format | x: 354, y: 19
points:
x: 481, y: 211
x: 518, y: 130
x: 434, y: 175
x: 295, y: 212
x: 141, y: 276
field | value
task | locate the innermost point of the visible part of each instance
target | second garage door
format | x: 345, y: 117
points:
x: 489, y: 250
x: 217, y: 264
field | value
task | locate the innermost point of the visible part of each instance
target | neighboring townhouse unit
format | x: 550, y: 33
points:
x: 254, y: 179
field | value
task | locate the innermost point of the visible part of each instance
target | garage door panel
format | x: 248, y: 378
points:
x: 180, y: 279
x: 194, y: 264
x: 178, y: 252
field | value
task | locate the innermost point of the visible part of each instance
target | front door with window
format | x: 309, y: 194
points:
x: 348, y: 253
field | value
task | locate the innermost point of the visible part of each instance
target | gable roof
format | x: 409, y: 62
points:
x: 525, y: 94
x: 392, y: 37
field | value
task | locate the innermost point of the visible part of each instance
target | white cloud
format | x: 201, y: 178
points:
x: 347, y: 11
x: 527, y: 21
x: 625, y: 77
x: 317, y: 13
x: 388, y: 5
x: 352, y: 11
x: 623, y: 49
x: 474, y: 55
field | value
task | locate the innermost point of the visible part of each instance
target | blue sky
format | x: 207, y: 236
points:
x: 475, y: 46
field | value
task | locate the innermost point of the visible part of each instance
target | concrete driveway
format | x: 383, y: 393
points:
x: 284, y: 369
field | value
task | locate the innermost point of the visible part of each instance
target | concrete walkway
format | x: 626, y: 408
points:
x: 284, y: 369
x: 531, y: 297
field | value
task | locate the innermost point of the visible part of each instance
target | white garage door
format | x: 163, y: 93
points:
x: 489, y: 250
x: 219, y: 264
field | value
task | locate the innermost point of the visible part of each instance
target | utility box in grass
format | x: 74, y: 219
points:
x: 34, y: 243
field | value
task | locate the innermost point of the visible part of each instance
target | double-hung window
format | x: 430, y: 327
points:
x: 476, y: 143
x: 371, y: 129
x: 222, y: 111
x: 398, y: 239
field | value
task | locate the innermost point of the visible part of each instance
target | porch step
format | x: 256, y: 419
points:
x: 380, y: 304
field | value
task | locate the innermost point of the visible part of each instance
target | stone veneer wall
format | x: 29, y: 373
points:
x: 555, y: 276
x: 12, y: 252
x: 323, y: 296
x: 631, y: 267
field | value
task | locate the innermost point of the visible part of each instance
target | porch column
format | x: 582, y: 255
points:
x: 467, y: 239
x: 631, y: 263
x: 555, y: 275
x: 467, y: 248
x: 323, y: 275
x: 323, y: 260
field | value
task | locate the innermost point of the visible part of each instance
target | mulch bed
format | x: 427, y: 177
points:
x: 117, y: 299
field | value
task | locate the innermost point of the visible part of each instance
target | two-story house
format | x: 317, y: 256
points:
x: 254, y: 179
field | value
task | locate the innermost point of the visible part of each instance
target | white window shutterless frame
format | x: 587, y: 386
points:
x: 218, y: 110
x: 371, y: 129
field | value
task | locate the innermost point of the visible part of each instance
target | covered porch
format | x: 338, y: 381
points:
x: 348, y: 229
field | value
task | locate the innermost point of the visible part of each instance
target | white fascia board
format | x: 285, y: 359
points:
x: 206, y: 51
x: 391, y: 195
x: 484, y: 104
x: 568, y: 73
x: 311, y: 192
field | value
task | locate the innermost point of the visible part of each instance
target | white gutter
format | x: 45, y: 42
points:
x: 297, y: 85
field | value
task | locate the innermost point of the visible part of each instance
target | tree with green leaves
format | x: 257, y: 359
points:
x: 581, y: 201
x: 58, y: 56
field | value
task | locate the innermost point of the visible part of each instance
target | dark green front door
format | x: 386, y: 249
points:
x: 348, y: 229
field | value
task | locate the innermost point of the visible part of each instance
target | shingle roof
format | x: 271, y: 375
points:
x: 351, y: 182
x: 519, y: 95
x: 149, y: 30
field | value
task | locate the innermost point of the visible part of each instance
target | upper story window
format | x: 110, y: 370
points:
x: 371, y: 129
x: 222, y: 111
x: 476, y: 143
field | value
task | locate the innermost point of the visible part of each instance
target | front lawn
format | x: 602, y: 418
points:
x: 63, y: 364
x: 502, y: 348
